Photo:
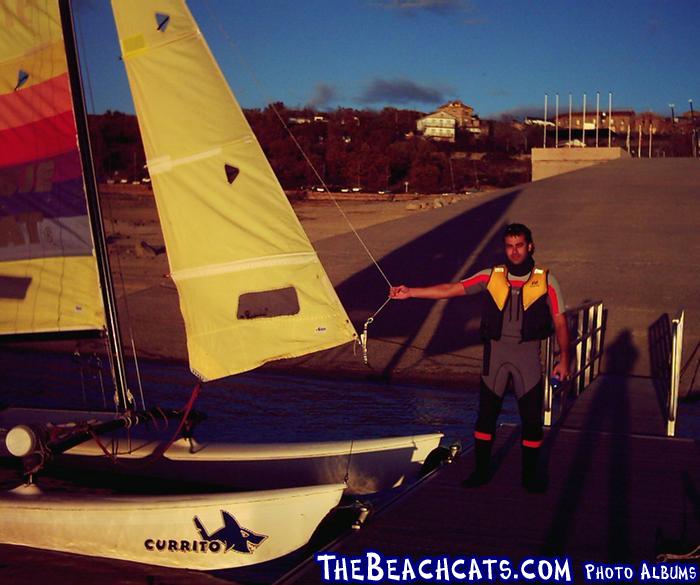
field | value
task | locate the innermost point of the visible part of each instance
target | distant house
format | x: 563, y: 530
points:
x: 618, y: 122
x: 448, y: 121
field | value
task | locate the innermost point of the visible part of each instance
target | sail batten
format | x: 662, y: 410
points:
x: 48, y: 270
x: 251, y: 286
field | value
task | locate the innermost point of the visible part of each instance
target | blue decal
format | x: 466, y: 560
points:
x: 22, y: 78
x: 232, y: 535
x: 162, y: 20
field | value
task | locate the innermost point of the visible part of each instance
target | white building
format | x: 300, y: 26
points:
x: 448, y: 121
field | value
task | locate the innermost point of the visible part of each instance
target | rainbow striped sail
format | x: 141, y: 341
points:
x: 48, y: 271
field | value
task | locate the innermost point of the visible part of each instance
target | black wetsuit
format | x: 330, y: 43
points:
x: 511, y: 359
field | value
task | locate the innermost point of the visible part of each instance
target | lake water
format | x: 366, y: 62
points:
x: 263, y: 406
x: 253, y: 407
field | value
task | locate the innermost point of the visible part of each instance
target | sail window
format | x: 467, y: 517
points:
x: 162, y: 20
x: 268, y: 303
x: 22, y: 78
x: 14, y: 287
x: 231, y: 173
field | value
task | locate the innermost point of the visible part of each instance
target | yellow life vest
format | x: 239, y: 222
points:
x: 499, y: 286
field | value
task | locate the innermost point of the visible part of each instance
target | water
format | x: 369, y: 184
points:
x: 267, y: 407
x: 254, y: 407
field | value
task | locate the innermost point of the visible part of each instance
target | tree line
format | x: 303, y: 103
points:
x: 347, y: 148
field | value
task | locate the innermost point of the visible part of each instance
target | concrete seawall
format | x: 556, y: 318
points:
x: 549, y: 162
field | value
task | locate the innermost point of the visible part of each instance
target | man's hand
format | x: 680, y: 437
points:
x: 400, y: 292
x: 561, y: 371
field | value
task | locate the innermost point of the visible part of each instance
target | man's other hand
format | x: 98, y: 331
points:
x: 400, y: 292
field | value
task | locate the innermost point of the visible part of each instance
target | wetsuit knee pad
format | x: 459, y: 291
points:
x: 489, y: 408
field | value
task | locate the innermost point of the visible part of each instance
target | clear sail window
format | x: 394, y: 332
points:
x: 268, y: 303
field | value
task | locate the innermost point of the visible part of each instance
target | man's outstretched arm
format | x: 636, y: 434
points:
x: 436, y: 291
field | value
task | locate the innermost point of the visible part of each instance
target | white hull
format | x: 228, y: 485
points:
x: 163, y: 530
x: 371, y: 465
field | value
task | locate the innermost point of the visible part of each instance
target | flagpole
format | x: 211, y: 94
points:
x: 583, y: 121
x: 570, y: 119
x: 544, y: 137
x: 609, y: 119
x: 556, y: 121
x: 597, y: 116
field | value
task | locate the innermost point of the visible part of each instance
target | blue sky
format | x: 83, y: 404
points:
x: 497, y: 56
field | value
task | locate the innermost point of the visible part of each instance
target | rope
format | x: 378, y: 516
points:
x: 364, y: 335
x: 347, y: 469
x: 157, y: 453
x: 693, y: 554
x: 138, y: 369
x: 261, y: 88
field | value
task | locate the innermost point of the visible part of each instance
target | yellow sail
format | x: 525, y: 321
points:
x: 48, y: 271
x: 251, y: 286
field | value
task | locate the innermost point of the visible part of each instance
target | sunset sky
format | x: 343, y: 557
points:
x: 499, y: 57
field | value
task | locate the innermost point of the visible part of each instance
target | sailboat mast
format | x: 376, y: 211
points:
x: 94, y: 209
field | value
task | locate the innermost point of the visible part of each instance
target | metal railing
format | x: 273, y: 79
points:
x: 674, y: 386
x: 588, y: 321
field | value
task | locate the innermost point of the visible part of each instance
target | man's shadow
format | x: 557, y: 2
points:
x: 611, y: 402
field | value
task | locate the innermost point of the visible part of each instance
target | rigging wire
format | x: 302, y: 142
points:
x: 86, y: 75
x: 363, y: 338
x: 256, y: 80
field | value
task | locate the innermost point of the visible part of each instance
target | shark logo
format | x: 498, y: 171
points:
x: 233, y: 535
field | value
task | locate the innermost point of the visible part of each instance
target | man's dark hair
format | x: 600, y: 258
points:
x: 518, y: 229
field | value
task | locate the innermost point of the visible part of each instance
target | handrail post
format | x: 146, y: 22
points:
x: 598, y: 339
x: 676, y: 355
x: 588, y: 347
x: 588, y: 368
x: 580, y: 351
x: 548, y: 398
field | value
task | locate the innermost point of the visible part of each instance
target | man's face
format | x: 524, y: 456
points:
x: 517, y: 249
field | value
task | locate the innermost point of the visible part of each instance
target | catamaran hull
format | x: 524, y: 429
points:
x: 202, y: 532
x: 371, y: 465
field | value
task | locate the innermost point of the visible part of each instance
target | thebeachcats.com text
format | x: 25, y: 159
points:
x: 373, y: 567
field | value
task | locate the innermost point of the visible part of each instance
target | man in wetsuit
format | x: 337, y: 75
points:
x: 522, y: 305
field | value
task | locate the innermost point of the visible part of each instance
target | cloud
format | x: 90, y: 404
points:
x: 400, y: 91
x: 434, y: 6
x: 324, y: 94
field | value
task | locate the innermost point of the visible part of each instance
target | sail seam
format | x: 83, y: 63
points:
x: 136, y: 53
x: 241, y: 265
x: 164, y: 164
